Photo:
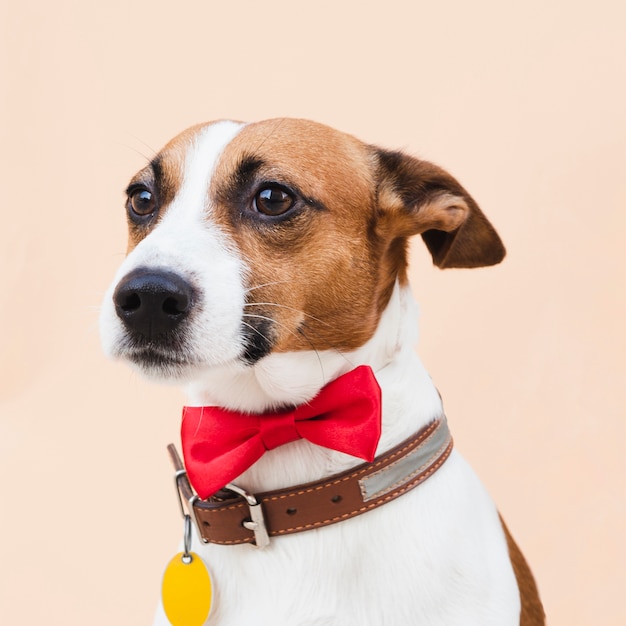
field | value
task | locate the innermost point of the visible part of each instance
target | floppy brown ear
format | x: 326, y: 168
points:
x: 417, y: 197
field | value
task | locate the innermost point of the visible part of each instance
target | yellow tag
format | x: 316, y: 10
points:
x: 187, y: 591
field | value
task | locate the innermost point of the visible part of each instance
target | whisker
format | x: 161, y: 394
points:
x: 313, y: 348
x: 300, y: 333
x: 269, y: 319
x: 295, y: 334
x: 278, y: 282
x: 300, y: 330
x: 256, y: 330
x: 289, y: 308
x: 317, y: 354
x: 135, y: 150
x: 341, y: 353
x: 154, y: 152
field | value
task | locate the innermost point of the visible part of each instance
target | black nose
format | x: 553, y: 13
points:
x: 152, y: 302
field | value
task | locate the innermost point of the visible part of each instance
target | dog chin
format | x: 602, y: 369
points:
x: 162, y: 370
x: 165, y: 367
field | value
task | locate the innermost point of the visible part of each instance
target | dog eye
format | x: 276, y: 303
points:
x: 273, y: 201
x: 142, y: 202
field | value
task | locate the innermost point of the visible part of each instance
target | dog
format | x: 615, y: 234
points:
x: 265, y: 262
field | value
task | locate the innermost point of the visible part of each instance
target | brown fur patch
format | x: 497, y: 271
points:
x: 532, y: 613
x: 320, y: 274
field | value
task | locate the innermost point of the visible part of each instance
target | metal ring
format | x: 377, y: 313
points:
x: 187, y: 537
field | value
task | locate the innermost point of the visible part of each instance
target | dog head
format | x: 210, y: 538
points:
x: 278, y: 237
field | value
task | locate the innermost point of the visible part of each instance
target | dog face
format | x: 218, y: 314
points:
x: 282, y: 236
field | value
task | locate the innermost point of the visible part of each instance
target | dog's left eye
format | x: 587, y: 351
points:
x: 142, y: 202
x: 273, y: 201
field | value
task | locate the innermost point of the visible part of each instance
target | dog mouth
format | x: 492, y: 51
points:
x: 157, y: 359
x: 176, y: 355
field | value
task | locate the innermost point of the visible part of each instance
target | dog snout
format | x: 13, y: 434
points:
x: 152, y: 302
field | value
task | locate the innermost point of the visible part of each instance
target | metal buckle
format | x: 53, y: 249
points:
x: 256, y: 523
x: 257, y: 520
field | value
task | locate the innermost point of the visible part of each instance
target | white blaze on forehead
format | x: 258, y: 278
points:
x: 184, y: 226
x: 200, y: 161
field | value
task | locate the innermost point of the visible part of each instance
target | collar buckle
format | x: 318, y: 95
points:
x: 187, y: 498
x: 256, y: 523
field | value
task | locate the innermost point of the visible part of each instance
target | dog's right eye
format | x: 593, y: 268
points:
x: 142, y: 202
x: 273, y: 201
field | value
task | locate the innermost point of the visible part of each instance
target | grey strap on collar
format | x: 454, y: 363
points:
x: 403, y: 470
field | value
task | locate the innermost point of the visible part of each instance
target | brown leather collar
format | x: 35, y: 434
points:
x: 234, y: 516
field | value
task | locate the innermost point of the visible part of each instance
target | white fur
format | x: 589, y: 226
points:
x: 437, y: 556
x: 187, y: 242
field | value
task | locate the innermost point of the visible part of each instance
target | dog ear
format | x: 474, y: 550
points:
x: 417, y: 197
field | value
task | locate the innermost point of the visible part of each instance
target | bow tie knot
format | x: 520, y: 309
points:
x: 219, y: 445
x: 278, y: 429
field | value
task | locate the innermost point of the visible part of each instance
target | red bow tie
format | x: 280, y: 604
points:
x: 218, y: 445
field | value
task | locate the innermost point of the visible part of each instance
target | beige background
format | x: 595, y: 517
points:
x: 525, y: 102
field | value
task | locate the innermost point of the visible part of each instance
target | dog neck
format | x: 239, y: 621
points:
x: 410, y: 399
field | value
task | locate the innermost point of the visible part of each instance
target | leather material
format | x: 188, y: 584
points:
x: 221, y: 519
x: 219, y: 445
